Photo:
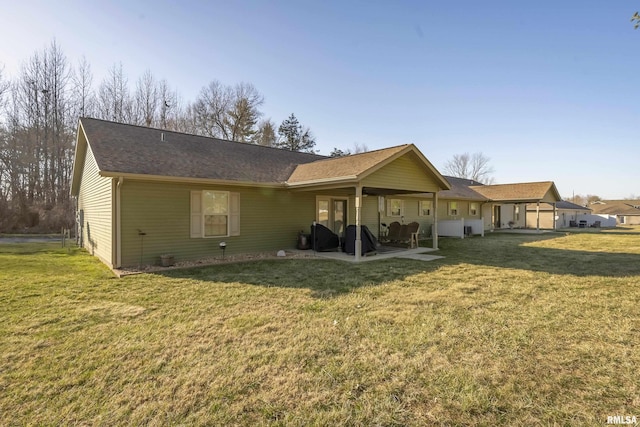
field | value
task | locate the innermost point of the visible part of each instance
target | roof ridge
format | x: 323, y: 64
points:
x: 199, y: 136
x: 351, y: 156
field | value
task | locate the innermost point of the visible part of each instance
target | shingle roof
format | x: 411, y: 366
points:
x: 562, y: 204
x: 526, y: 191
x: 127, y: 149
x: 616, y: 207
x: 339, y: 167
x: 460, y: 189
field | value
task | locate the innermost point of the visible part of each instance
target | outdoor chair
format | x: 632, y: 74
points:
x: 394, y: 231
x: 413, y: 228
x: 404, y: 234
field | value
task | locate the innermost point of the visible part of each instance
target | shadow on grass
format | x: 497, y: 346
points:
x: 326, y: 278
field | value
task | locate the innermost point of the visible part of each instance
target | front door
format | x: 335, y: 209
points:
x: 496, y: 216
x: 332, y: 213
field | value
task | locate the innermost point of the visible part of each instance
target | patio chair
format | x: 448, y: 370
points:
x: 394, y: 232
x: 404, y: 234
x: 413, y: 228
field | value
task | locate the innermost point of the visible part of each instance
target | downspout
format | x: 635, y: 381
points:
x: 118, y: 234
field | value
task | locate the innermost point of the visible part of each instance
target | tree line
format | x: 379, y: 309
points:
x: 39, y: 111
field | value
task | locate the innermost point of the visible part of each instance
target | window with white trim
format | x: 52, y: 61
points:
x: 473, y: 208
x: 215, y: 213
x: 453, y: 208
x: 395, y: 207
x: 425, y: 207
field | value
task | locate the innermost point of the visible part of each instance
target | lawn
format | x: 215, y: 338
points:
x: 506, y: 330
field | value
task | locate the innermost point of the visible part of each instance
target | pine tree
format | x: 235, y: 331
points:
x: 294, y: 137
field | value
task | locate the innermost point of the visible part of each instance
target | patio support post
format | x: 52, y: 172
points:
x: 434, y: 232
x: 554, y: 216
x: 538, y: 216
x: 358, y: 222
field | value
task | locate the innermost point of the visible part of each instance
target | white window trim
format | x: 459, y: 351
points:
x: 421, y: 209
x: 389, y: 203
x: 450, y: 209
x: 197, y: 214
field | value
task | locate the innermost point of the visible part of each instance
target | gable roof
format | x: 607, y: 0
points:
x: 521, y: 192
x: 122, y: 149
x: 342, y: 167
x: 129, y: 151
x: 358, y: 166
x: 616, y: 207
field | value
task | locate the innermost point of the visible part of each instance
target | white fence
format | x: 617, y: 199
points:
x: 605, y: 220
x: 456, y: 227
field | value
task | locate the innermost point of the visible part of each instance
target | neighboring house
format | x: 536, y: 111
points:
x: 627, y: 212
x: 565, y: 214
x: 142, y: 193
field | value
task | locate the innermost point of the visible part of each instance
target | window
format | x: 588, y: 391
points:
x: 215, y: 207
x: 395, y: 207
x: 516, y: 212
x: 425, y: 207
x: 453, y: 208
x: 473, y: 208
x: 215, y: 214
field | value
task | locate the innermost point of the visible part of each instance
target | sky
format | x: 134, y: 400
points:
x: 547, y: 90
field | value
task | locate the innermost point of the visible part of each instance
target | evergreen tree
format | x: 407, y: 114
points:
x: 294, y: 137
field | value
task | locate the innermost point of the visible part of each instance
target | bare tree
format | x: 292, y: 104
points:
x: 113, y: 97
x: 84, y: 101
x: 146, y: 99
x: 211, y: 108
x: 243, y: 113
x: 4, y: 88
x: 266, y: 133
x: 470, y: 166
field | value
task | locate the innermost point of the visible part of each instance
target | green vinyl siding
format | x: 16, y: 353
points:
x: 270, y: 220
x: 95, y: 198
x: 405, y: 173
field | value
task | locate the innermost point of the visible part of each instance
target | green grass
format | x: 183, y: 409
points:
x: 506, y: 330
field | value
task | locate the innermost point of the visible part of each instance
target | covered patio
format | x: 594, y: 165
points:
x: 353, y: 189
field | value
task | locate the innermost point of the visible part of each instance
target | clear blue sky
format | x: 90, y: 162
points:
x: 549, y: 90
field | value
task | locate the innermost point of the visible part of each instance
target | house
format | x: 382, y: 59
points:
x: 627, y: 212
x: 144, y: 192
